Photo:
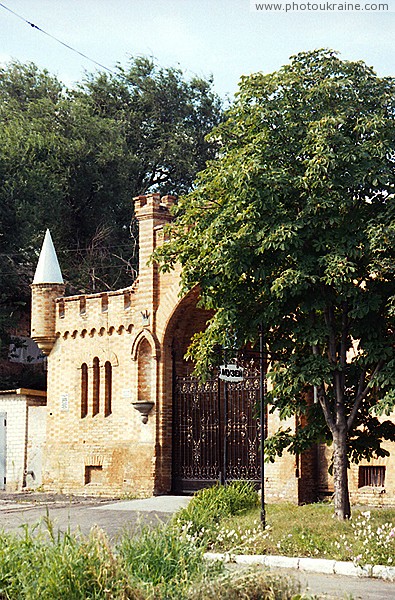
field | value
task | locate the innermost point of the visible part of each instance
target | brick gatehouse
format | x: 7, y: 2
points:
x: 124, y: 415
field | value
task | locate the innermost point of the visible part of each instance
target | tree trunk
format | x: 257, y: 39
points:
x: 340, y: 476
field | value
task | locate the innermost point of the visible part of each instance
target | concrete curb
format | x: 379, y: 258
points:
x: 313, y: 565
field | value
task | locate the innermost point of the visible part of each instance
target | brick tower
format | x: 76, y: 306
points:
x: 46, y: 287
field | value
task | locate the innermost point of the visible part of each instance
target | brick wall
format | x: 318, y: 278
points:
x: 15, y: 404
x: 143, y: 332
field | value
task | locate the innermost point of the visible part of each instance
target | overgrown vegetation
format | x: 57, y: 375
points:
x: 310, y: 530
x: 211, y: 506
x: 162, y: 563
x: 167, y: 562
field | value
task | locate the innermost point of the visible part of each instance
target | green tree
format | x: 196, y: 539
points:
x: 71, y: 161
x: 292, y: 227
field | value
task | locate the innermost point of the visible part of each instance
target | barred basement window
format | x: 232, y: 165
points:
x: 84, y: 390
x: 96, y: 387
x: 107, y: 388
x: 371, y: 476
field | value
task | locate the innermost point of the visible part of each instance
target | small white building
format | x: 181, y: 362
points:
x: 22, y: 437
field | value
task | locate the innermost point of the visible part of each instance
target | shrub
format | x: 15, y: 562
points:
x: 211, y: 505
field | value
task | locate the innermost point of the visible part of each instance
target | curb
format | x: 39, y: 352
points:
x: 312, y: 565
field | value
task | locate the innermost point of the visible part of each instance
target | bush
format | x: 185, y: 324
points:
x: 211, y: 505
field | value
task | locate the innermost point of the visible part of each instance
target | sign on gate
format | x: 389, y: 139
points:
x: 232, y: 373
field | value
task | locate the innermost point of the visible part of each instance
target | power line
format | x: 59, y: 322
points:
x: 56, y: 39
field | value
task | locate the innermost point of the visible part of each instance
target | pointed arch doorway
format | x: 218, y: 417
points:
x: 215, y: 425
x: 216, y: 430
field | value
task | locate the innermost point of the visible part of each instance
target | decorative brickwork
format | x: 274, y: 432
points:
x: 110, y: 350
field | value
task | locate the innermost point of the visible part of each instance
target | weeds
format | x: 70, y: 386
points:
x: 369, y: 538
x: 212, y: 505
x: 164, y: 560
x: 65, y: 567
x: 372, y: 545
x: 253, y: 584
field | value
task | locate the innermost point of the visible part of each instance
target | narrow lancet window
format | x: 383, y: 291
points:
x: 108, y: 389
x: 96, y: 387
x: 84, y: 390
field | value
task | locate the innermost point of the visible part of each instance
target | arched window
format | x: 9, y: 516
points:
x: 107, y: 388
x: 96, y: 387
x: 84, y: 390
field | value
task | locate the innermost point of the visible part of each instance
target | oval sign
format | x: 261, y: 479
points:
x: 231, y: 373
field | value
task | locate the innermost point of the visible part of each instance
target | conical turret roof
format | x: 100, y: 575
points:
x: 48, y: 270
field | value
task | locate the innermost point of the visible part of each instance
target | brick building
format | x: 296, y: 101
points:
x: 124, y: 415
x: 22, y: 437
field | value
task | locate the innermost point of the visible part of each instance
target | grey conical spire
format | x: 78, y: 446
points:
x: 48, y: 270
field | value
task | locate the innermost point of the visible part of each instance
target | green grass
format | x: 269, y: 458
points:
x: 211, y: 506
x: 166, y: 562
x: 311, y: 530
x: 157, y: 564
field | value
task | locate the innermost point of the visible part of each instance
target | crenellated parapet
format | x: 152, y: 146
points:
x: 92, y: 313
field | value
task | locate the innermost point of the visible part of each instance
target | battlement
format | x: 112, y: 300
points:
x: 144, y: 206
x: 88, y: 312
x: 54, y: 315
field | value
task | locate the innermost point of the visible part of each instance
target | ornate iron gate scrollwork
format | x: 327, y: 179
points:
x: 216, y: 431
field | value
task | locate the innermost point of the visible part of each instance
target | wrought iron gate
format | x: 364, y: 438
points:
x: 216, y: 431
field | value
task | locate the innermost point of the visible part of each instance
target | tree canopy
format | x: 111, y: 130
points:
x: 72, y: 160
x: 292, y: 227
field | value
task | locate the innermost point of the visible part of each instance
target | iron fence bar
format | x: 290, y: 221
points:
x: 262, y: 375
x: 219, y: 441
x: 225, y: 440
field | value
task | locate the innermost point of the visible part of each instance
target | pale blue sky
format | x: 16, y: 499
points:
x: 225, y: 38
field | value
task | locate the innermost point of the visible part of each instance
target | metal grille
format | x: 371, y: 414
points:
x: 216, y: 431
x: 242, y: 427
x: 371, y: 476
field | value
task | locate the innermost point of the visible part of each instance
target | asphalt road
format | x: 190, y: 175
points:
x: 336, y: 587
x: 115, y: 517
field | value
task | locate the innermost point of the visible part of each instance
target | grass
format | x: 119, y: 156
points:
x: 158, y: 564
x: 212, y: 505
x: 167, y: 563
x: 253, y: 584
x: 310, y: 530
x: 161, y: 563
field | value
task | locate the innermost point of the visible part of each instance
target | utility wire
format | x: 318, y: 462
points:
x: 57, y: 39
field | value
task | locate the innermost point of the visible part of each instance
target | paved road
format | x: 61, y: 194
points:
x: 81, y: 514
x: 336, y: 586
x: 115, y: 516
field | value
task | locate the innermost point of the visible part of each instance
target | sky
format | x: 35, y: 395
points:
x: 222, y: 38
